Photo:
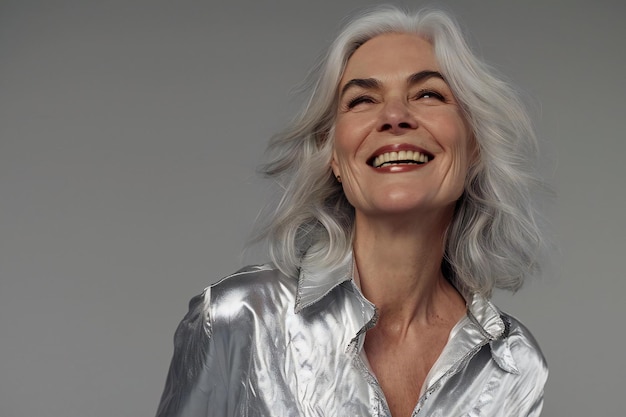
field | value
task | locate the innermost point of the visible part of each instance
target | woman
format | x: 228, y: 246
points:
x: 407, y: 183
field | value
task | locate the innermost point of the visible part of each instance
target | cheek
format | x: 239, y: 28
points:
x: 343, y: 145
x: 453, y: 133
x: 342, y: 136
x: 338, y: 152
x: 351, y: 130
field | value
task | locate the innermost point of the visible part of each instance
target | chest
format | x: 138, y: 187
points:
x: 313, y: 364
x: 311, y: 382
x: 401, y: 366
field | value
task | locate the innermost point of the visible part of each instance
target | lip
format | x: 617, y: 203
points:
x: 396, y: 148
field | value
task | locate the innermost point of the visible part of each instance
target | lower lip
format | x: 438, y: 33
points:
x: 398, y: 168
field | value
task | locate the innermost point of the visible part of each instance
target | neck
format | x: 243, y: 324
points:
x: 399, y: 264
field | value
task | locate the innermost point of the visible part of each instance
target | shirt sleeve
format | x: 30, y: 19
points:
x: 195, y: 383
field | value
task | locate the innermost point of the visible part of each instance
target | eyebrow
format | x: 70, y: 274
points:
x: 373, y: 84
x: 365, y: 83
x: 423, y: 76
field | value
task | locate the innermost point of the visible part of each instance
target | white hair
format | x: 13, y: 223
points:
x: 493, y: 240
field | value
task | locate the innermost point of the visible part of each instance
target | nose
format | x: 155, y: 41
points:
x: 396, y: 117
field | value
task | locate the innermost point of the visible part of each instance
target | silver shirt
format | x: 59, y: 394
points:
x: 259, y: 343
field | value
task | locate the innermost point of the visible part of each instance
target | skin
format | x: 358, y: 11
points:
x: 402, y: 211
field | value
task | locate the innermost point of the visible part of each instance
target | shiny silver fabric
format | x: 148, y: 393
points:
x: 259, y: 343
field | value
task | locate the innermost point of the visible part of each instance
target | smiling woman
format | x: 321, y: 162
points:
x: 407, y: 198
x: 394, y: 100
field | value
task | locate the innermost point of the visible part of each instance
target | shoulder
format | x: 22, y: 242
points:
x: 252, y: 278
x: 521, y: 341
x: 232, y: 307
x: 218, y: 324
x: 518, y: 353
x: 520, y: 350
x: 252, y: 288
x: 251, y: 292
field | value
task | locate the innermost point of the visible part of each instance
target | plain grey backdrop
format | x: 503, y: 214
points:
x: 130, y: 132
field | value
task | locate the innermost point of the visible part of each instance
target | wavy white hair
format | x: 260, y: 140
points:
x: 494, y: 239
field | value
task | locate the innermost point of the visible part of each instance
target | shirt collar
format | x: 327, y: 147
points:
x: 485, y: 315
x: 315, y: 283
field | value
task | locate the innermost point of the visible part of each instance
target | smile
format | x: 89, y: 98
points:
x: 399, y: 158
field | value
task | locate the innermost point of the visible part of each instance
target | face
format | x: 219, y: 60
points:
x: 401, y: 142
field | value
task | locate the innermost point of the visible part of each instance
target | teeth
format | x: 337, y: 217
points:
x: 394, y: 158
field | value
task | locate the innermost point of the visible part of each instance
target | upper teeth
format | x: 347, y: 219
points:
x: 401, y: 156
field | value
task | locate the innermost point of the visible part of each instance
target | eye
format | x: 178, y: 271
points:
x: 426, y: 94
x: 359, y: 100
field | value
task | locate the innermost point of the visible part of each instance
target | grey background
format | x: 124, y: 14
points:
x: 130, y: 132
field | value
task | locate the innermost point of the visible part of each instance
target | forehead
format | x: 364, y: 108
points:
x: 391, y: 55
